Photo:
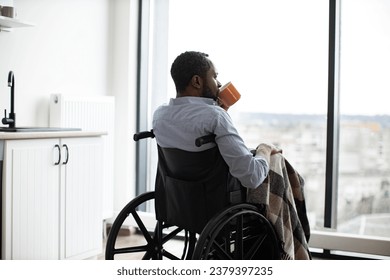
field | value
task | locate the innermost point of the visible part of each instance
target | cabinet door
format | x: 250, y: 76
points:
x: 31, y: 203
x: 81, y: 177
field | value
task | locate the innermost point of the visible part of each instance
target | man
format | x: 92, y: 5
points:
x: 195, y: 112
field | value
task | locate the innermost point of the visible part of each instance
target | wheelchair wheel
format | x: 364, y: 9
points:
x: 240, y: 232
x: 155, y: 244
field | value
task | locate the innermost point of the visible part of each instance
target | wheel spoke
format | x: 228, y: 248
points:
x: 128, y: 250
x: 142, y: 226
x: 255, y: 247
x: 171, y: 235
x: 238, y: 246
x: 170, y: 256
x: 223, y: 254
x: 148, y: 255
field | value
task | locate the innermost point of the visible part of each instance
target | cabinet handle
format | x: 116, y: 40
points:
x: 59, y: 154
x: 67, y: 153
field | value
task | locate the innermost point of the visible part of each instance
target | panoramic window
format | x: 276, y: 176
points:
x: 276, y: 54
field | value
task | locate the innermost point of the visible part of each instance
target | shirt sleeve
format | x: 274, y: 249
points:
x: 250, y: 170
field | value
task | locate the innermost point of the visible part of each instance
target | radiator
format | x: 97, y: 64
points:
x: 90, y: 113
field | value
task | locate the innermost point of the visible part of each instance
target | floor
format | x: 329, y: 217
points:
x: 127, y: 236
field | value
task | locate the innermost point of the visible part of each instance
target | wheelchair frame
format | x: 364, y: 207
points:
x: 238, y: 232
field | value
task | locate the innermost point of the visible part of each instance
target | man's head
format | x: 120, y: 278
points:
x: 195, y: 75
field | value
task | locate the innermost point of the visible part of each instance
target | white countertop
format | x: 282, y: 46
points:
x: 49, y: 134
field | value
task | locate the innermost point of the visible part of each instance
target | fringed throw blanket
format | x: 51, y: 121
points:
x: 283, y: 196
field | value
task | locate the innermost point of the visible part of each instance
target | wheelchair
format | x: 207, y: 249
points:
x: 198, y: 202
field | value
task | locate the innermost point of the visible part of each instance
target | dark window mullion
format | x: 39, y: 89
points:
x: 332, y: 145
x: 142, y: 96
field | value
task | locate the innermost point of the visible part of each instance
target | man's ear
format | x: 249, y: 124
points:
x: 196, y: 81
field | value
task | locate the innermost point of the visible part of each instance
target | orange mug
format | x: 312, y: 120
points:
x: 228, y: 95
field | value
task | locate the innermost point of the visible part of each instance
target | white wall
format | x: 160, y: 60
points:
x: 7, y: 3
x: 67, y: 51
x: 83, y: 47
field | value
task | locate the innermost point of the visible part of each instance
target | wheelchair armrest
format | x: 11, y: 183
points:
x: 237, y: 196
x: 204, y: 140
x: 143, y: 134
x: 198, y: 141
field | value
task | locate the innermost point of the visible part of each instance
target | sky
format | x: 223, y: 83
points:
x: 276, y: 52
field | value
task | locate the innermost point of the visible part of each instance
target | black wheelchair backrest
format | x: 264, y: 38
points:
x: 192, y: 186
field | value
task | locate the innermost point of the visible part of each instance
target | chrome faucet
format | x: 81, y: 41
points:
x: 11, y: 117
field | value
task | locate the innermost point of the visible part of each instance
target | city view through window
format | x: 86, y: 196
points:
x: 364, y: 164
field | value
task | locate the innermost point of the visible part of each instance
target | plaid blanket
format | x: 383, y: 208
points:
x: 283, y: 197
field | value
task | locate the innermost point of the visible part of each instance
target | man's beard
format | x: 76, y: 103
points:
x: 207, y: 93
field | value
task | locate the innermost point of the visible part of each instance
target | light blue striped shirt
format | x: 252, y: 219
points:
x: 179, y: 123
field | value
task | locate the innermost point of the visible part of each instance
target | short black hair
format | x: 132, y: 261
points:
x: 188, y: 64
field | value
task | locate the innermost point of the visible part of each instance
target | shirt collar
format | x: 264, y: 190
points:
x: 192, y: 100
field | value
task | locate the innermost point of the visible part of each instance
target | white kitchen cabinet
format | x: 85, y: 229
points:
x: 52, y: 198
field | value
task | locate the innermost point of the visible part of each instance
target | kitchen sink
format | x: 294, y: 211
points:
x: 36, y: 129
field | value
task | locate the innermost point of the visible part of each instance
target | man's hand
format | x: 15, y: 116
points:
x: 266, y: 150
x: 221, y: 104
x: 276, y: 150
